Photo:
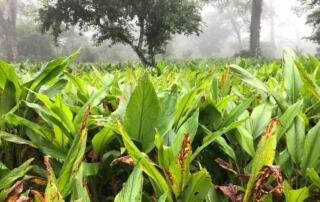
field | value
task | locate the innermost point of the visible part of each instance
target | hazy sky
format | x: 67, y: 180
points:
x: 290, y: 29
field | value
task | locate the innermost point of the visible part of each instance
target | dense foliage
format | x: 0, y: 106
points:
x: 246, y: 131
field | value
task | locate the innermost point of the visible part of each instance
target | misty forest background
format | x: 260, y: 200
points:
x: 225, y: 33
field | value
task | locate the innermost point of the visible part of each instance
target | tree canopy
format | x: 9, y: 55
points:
x: 145, y: 25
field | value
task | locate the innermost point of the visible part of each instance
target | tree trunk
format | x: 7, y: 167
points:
x: 255, y: 28
x: 142, y: 57
x: 10, y: 34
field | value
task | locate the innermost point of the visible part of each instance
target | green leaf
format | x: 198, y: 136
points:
x: 253, y: 81
x: 314, y: 176
x: 15, y: 174
x: 295, y: 195
x: 190, y: 128
x: 212, y: 136
x: 260, y: 118
x: 295, y: 139
x: 74, y: 157
x: 79, y: 83
x: 311, y: 86
x: 132, y: 189
x: 168, y: 105
x: 142, y: 113
x: 102, y: 139
x: 236, y: 112
x: 287, y: 118
x: 245, y: 140
x: 56, y: 88
x: 51, y: 71
x: 311, y: 154
x: 7, y: 98
x: 225, y: 147
x: 264, y: 156
x: 198, y: 187
x: 8, y: 74
x: 145, y: 164
x: 14, y: 139
x: 79, y: 186
x: 52, y: 193
x: 292, y: 80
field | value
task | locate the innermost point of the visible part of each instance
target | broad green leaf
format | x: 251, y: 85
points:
x: 142, y: 113
x: 236, y: 112
x: 260, y: 118
x: 311, y: 155
x: 102, y: 139
x: 56, y: 88
x: 288, y: 117
x: 7, y: 98
x: 132, y: 189
x: 210, y: 117
x: 14, y: 139
x: 249, y: 78
x: 245, y: 140
x: 79, y: 186
x: 15, y: 174
x: 211, y: 137
x: 168, y: 105
x: 311, y: 86
x: 292, y: 80
x: 295, y: 139
x: 225, y: 147
x: 8, y: 74
x: 295, y: 195
x: 51, y: 71
x: 188, y: 128
x: 264, y: 155
x: 94, y: 100
x: 198, y: 187
x: 79, y: 83
x: 145, y: 164
x: 314, y: 176
x: 255, y: 82
x: 46, y: 146
x: 74, y: 157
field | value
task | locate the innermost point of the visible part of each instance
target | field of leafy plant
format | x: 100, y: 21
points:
x: 246, y: 131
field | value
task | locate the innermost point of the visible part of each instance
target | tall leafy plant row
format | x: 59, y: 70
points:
x: 241, y: 132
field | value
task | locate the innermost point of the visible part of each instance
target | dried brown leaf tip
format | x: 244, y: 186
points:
x: 231, y: 192
x: 13, y: 196
x: 85, y: 119
x: 271, y: 128
x: 125, y: 159
x: 38, y: 195
x: 185, y: 149
x: 225, y: 165
x: 260, y: 186
x: 47, y: 164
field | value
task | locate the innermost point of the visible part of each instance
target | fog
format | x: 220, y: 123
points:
x: 282, y: 27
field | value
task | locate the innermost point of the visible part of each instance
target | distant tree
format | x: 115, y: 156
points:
x: 8, y: 20
x: 145, y: 25
x: 313, y: 18
x: 255, y: 22
x: 236, y: 12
